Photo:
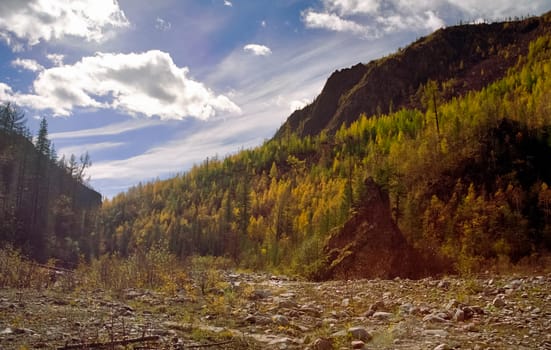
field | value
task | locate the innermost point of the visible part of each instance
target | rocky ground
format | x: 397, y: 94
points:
x: 252, y: 311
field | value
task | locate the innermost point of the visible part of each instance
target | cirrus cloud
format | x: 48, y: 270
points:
x: 33, y: 21
x: 148, y: 84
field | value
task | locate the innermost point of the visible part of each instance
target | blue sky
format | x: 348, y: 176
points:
x: 150, y: 88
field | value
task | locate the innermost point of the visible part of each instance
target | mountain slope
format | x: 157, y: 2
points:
x: 44, y: 210
x: 462, y: 58
x: 465, y: 183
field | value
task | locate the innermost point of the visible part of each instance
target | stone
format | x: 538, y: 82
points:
x: 452, y: 304
x: 7, y: 331
x: 381, y: 315
x: 434, y: 318
x: 441, y: 347
x: 359, y: 333
x: 280, y: 320
x: 286, y: 303
x: 329, y: 321
x: 311, y: 311
x: 184, y: 327
x: 281, y: 343
x: 498, y: 302
x: 132, y: 294
x: 406, y: 308
x: 436, y: 332
x: 257, y: 319
x: 357, y: 344
x: 260, y: 294
x: 377, y: 306
x: 322, y: 344
x: 459, y: 315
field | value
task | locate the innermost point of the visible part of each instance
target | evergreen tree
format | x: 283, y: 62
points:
x: 42, y: 142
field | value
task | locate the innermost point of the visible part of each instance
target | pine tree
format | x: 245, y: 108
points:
x: 42, y: 143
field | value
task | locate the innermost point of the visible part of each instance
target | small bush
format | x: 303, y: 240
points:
x: 18, y: 272
x: 156, y: 269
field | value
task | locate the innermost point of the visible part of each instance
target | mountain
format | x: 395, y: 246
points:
x: 460, y: 58
x: 455, y: 178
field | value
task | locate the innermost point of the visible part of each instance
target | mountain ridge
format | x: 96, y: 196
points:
x: 463, y: 58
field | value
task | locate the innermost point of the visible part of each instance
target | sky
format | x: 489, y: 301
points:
x: 150, y: 88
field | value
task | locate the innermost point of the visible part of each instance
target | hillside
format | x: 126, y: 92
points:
x: 462, y: 185
x: 46, y: 210
x: 461, y: 59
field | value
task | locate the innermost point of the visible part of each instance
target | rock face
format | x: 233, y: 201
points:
x: 370, y: 245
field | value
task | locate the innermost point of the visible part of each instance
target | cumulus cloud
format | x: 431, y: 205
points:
x: 228, y: 3
x: 331, y: 21
x: 27, y: 64
x: 5, y: 92
x: 499, y: 9
x: 146, y: 83
x: 257, y: 50
x: 374, y: 18
x: 32, y: 21
x: 56, y: 59
x: 427, y: 20
x: 351, y: 7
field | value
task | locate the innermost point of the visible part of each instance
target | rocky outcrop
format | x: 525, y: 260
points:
x: 370, y: 245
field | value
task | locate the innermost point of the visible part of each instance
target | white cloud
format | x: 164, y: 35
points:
x: 352, y: 7
x: 258, y: 50
x: 228, y: 3
x: 90, y: 148
x: 56, y: 59
x: 216, y: 137
x: 398, y: 22
x: 331, y: 21
x: 108, y: 130
x: 499, y: 9
x: 147, y: 84
x: 162, y: 25
x: 6, y: 92
x: 27, y: 64
x: 33, y: 21
x: 373, y: 18
x: 298, y: 104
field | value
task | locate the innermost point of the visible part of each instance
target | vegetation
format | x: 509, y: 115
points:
x: 45, y: 206
x: 468, y: 179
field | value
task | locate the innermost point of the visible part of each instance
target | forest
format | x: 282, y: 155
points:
x: 46, y: 208
x: 468, y: 180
